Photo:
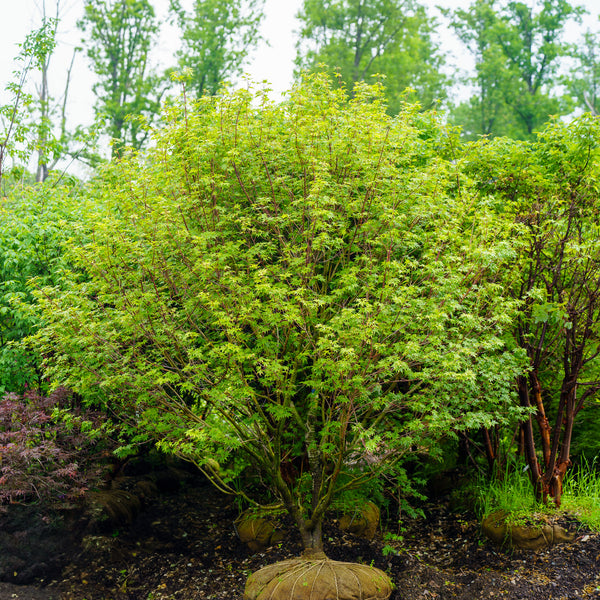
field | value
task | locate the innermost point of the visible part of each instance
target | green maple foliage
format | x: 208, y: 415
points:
x: 305, y: 289
x: 548, y: 189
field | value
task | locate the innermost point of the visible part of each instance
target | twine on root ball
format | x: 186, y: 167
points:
x: 318, y: 578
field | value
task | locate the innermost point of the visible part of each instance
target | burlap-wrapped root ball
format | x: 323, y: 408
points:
x: 362, y: 522
x: 257, y: 532
x: 318, y: 578
x: 525, y: 537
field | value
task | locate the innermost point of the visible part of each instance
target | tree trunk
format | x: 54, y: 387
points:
x: 491, y: 443
x: 42, y: 164
x: 561, y: 461
x: 547, y: 481
x: 529, y: 441
x: 312, y: 538
x: 540, y: 415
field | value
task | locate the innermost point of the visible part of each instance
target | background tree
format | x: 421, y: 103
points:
x: 299, y: 290
x: 35, y: 121
x: 486, y: 112
x: 517, y: 49
x: 362, y: 38
x: 217, y: 38
x: 15, y: 139
x: 120, y: 34
x: 584, y: 79
x: 53, y: 141
x: 548, y: 188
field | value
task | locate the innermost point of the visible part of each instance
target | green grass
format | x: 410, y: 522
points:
x: 513, y: 494
x: 581, y: 494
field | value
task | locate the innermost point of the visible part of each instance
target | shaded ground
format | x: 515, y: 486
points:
x: 183, y: 546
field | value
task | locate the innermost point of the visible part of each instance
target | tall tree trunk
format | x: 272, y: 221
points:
x: 529, y: 440
x: 42, y: 162
x: 540, y: 415
x: 547, y: 481
x: 560, y: 461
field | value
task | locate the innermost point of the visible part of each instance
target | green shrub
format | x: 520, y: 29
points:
x: 308, y: 285
x: 35, y: 222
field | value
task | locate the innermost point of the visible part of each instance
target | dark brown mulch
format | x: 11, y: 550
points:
x: 183, y: 546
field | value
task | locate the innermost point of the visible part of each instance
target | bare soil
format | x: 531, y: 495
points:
x: 183, y: 545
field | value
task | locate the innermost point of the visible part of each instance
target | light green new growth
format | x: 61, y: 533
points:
x: 304, y: 290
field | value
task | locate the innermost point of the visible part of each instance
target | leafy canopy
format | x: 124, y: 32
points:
x: 120, y: 34
x: 393, y: 39
x: 307, y: 285
x: 217, y: 36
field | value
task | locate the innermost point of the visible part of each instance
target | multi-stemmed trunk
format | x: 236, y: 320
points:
x: 547, y: 475
x: 309, y: 522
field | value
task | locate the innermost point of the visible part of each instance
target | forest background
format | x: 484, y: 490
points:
x: 271, y: 57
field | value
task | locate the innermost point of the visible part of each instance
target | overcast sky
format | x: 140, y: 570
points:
x: 273, y: 62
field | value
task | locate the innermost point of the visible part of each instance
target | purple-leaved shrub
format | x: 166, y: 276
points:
x: 51, y: 449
